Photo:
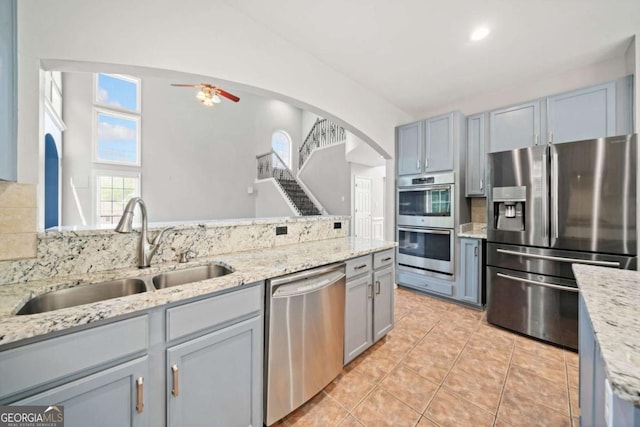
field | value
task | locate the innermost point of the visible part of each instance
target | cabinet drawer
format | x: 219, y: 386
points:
x: 358, y: 266
x: 383, y: 259
x: 37, y: 364
x: 205, y: 314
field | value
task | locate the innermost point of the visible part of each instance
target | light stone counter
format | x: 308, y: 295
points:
x: 612, y: 299
x: 248, y: 267
x: 474, y: 230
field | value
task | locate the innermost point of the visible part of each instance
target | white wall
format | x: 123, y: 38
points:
x: 197, y: 162
x: 328, y: 176
x: 356, y: 150
x: 564, y: 80
x: 270, y: 201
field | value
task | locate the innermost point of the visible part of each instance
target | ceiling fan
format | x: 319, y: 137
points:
x: 208, y: 94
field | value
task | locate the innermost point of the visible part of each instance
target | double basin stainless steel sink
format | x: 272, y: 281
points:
x: 79, y: 295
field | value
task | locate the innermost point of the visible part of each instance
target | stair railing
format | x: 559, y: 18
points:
x: 323, y: 133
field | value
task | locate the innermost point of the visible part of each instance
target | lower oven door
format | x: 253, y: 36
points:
x: 428, y: 249
x: 540, y: 306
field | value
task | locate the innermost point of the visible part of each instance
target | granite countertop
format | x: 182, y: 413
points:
x: 474, y: 230
x: 247, y: 266
x: 612, y: 299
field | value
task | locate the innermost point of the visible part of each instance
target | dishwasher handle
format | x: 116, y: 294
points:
x: 307, y: 286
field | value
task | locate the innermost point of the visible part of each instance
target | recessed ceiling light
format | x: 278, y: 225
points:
x: 479, y: 33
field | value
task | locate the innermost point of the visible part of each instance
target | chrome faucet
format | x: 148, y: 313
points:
x: 146, y: 249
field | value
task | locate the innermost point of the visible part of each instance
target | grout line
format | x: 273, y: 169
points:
x: 504, y: 384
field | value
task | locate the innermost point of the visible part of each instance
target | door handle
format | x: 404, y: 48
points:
x: 554, y: 193
x: 379, y: 288
x: 535, y: 282
x: 175, y: 390
x: 140, y: 395
x: 561, y: 259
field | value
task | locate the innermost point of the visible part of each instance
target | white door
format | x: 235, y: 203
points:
x: 362, y: 207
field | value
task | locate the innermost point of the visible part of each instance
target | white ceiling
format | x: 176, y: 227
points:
x: 417, y: 53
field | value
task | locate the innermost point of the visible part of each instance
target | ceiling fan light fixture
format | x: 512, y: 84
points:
x: 207, y: 102
x: 201, y: 96
x: 216, y: 99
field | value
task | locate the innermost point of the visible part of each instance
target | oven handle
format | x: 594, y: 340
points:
x: 561, y: 259
x: 425, y: 187
x: 424, y: 231
x: 535, y: 282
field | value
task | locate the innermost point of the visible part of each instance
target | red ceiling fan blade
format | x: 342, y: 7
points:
x: 189, y: 85
x: 227, y: 95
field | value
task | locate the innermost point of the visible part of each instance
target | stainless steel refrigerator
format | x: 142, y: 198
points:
x: 549, y: 207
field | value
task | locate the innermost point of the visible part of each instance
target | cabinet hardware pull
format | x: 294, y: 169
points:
x: 481, y: 184
x: 426, y: 162
x: 386, y: 259
x: 140, y: 393
x: 550, y: 136
x: 359, y: 267
x: 475, y: 251
x: 378, y: 284
x: 175, y: 389
x: 370, y: 286
x: 418, y: 164
x: 536, y: 138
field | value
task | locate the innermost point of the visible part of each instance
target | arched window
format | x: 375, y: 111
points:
x: 281, y: 144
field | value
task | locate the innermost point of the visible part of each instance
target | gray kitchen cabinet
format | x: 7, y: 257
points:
x: 113, y: 397
x: 582, y: 114
x: 592, y: 112
x: 438, y: 153
x: 8, y: 90
x: 472, y: 267
x: 409, y: 148
x: 358, y: 320
x: 598, y: 407
x: 476, y: 156
x: 368, y: 301
x: 515, y: 127
x: 383, y: 302
x: 216, y: 380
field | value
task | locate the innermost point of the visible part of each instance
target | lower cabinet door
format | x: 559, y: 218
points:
x: 358, y: 322
x: 382, y: 302
x: 105, y: 399
x: 216, y: 380
x: 471, y: 271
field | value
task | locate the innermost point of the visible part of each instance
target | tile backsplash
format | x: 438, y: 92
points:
x: 479, y: 210
x: 17, y: 221
x: 64, y: 253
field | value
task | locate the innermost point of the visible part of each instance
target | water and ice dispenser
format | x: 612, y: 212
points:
x: 509, y: 208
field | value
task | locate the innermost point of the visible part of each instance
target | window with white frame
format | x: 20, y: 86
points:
x: 281, y: 145
x: 113, y: 191
x: 117, y: 120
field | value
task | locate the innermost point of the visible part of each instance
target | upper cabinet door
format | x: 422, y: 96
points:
x: 515, y: 127
x: 8, y: 170
x: 476, y: 156
x: 409, y: 149
x: 439, y: 144
x: 583, y: 114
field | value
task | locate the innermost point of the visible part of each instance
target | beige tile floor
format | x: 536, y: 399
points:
x: 443, y: 365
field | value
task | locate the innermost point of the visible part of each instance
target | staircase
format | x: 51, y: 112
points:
x: 270, y: 165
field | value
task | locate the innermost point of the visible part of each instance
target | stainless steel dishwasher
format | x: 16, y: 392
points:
x: 304, y: 337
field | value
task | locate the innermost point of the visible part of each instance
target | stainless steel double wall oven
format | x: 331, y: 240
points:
x: 425, y: 220
x: 549, y: 207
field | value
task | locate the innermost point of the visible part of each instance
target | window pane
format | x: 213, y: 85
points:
x: 112, y: 196
x: 281, y: 145
x: 117, y: 139
x: 117, y: 92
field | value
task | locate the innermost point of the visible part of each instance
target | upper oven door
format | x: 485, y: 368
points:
x: 426, y: 206
x: 425, y: 248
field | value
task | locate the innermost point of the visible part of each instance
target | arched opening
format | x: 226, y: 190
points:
x: 51, y: 182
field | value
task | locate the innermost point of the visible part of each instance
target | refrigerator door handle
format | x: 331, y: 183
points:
x: 561, y: 259
x: 535, y: 282
x: 554, y: 193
